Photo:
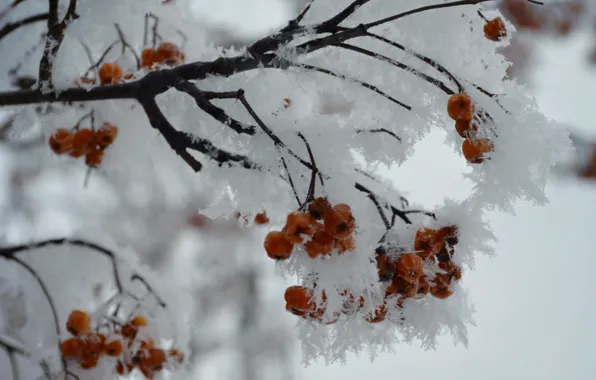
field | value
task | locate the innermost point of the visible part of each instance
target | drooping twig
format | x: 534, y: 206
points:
x: 285, y: 165
x: 361, y: 83
x: 136, y: 277
x: 379, y: 130
x: 126, y: 45
x: 312, y: 160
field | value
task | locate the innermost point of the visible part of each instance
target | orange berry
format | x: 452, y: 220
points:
x: 466, y: 128
x: 319, y: 207
x: 139, y: 321
x: 495, y: 29
x: 346, y: 244
x: 94, y: 345
x: 339, y: 222
x: 409, y: 266
x: 124, y: 369
x: 277, y: 246
x: 474, y: 150
x: 61, y: 141
x: 114, y: 348
x: 155, y: 359
x: 423, y: 239
x: 261, y: 218
x: 78, y: 323
x: 82, y: 141
x: 110, y: 73
x: 298, y: 225
x: 106, y: 135
x: 321, y: 244
x: 94, y: 157
x: 129, y: 331
x: 148, y: 58
x: 169, y: 54
x: 452, y: 270
x: 401, y: 286
x: 88, y: 362
x: 72, y: 348
x: 460, y: 107
x: 299, y: 298
x: 441, y: 291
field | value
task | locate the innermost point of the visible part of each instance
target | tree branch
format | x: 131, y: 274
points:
x: 54, y: 38
x: 12, y: 26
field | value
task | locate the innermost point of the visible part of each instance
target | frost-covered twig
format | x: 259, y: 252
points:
x: 442, y: 86
x: 366, y: 85
x: 54, y: 37
x: 181, y: 141
x: 202, y: 100
x: 126, y: 45
x: 379, y: 130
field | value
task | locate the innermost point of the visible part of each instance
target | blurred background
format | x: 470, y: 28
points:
x: 533, y: 301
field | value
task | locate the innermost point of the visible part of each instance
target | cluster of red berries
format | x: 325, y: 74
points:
x: 166, y: 54
x: 88, y: 347
x: 433, y: 250
x: 461, y: 109
x: 317, y: 239
x: 84, y: 142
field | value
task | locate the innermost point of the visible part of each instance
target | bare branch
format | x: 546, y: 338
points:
x: 12, y: 26
x: 11, y: 252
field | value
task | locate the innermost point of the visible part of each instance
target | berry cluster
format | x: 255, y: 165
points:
x: 166, y: 54
x: 87, y: 347
x: 409, y: 272
x: 428, y: 269
x: 461, y: 109
x: 84, y: 142
x: 317, y: 239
